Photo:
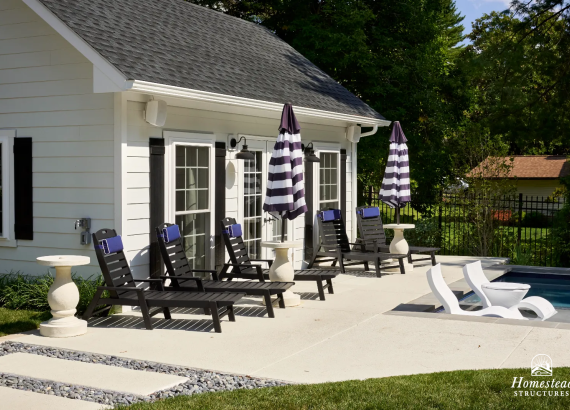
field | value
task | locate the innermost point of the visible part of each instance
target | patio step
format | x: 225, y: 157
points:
x: 14, y: 399
x: 97, y: 376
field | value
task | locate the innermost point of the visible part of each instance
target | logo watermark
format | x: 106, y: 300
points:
x: 540, y: 366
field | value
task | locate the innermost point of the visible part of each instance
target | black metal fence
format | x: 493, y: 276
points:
x: 518, y: 227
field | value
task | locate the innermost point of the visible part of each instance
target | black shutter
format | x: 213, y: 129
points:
x: 343, y: 183
x: 220, y: 205
x: 156, y: 147
x: 23, y: 190
x: 309, y: 215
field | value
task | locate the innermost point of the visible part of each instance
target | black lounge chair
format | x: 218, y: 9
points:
x: 177, y: 265
x: 242, y: 267
x: 123, y: 291
x: 336, y: 247
x: 372, y: 233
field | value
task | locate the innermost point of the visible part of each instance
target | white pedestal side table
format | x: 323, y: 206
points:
x: 281, y: 270
x: 399, y: 244
x: 63, y: 297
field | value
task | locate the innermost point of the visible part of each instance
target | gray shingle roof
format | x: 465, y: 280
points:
x: 177, y: 43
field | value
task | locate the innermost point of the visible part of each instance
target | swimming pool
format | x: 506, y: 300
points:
x: 553, y: 287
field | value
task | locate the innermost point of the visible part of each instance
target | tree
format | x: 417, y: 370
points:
x: 399, y: 57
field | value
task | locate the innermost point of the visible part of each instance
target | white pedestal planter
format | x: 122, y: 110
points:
x: 63, y: 297
x: 399, y: 244
x: 281, y: 270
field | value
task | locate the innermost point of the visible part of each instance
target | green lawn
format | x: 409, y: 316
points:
x: 16, y: 321
x: 483, y: 389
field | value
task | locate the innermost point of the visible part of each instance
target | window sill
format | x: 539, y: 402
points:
x: 8, y: 243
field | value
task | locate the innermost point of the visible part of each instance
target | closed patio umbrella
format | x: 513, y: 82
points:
x: 395, y: 191
x: 285, y: 196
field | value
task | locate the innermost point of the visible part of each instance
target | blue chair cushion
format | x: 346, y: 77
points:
x: 112, y: 245
x: 234, y: 231
x: 171, y: 233
x: 330, y: 215
x: 371, y: 212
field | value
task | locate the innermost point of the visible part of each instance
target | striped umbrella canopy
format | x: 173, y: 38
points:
x: 285, y: 196
x: 395, y: 191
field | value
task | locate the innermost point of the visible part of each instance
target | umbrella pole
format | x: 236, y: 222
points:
x: 398, y: 215
x: 283, y: 224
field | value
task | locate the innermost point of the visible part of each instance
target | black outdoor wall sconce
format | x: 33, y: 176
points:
x: 309, y: 152
x: 244, y: 154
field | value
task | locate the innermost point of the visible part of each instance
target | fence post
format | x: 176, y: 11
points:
x: 370, y: 195
x: 519, y: 228
x: 439, y: 217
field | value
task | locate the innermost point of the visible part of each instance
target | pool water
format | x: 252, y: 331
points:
x: 554, y: 288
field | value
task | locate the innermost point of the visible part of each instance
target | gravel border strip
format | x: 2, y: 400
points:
x: 200, y: 381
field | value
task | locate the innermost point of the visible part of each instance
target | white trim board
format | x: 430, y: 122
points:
x: 7, y: 237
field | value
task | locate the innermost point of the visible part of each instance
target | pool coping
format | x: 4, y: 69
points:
x: 426, y: 305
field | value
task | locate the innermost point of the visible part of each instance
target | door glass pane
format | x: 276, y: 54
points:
x: 252, y: 183
x: 192, y: 184
x: 328, y: 188
x: 193, y: 228
x: 192, y: 178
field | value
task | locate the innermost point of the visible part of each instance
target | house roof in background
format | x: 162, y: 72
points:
x: 176, y: 43
x: 528, y: 166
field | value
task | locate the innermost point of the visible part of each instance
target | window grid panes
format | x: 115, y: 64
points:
x: 253, y: 197
x: 192, y: 185
x: 328, y: 181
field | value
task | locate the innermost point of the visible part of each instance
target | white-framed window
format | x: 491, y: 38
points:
x: 329, y: 179
x: 190, y: 188
x: 7, y: 187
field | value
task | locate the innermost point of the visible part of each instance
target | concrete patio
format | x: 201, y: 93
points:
x: 348, y: 336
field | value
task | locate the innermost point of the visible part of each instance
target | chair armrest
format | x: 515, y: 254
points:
x: 268, y: 261
x: 159, y: 281
x: 121, y: 288
x: 256, y: 267
x: 184, y: 278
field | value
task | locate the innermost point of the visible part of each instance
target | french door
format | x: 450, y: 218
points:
x: 258, y: 225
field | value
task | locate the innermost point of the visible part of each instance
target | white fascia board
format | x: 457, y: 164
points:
x: 186, y: 93
x: 110, y: 71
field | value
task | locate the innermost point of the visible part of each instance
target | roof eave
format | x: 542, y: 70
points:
x: 197, y: 95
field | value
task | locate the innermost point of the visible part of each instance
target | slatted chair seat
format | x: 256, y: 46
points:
x: 182, y: 275
x: 123, y: 291
x: 373, y: 236
x: 241, y: 265
x: 334, y: 246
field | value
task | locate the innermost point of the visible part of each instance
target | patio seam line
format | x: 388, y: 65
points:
x: 314, y: 344
x: 515, y: 348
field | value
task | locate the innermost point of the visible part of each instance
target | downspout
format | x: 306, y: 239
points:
x: 374, y: 129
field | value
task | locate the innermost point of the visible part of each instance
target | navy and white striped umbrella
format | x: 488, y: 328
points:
x: 285, y: 197
x: 395, y: 191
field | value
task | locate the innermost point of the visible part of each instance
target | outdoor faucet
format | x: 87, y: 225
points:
x: 84, y: 223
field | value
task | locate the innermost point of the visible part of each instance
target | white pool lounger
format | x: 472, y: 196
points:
x: 451, y: 304
x: 476, y: 278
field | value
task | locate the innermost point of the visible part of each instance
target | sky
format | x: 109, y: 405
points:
x: 473, y: 9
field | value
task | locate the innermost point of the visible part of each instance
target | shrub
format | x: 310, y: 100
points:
x: 561, y: 230
x: 535, y: 220
x: 427, y: 233
x: 19, y: 291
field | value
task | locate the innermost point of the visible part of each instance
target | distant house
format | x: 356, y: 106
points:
x: 79, y: 80
x: 534, y: 175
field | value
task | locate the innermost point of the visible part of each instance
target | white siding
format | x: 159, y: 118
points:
x: 46, y: 93
x: 192, y: 120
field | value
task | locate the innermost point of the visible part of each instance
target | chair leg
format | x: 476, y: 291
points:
x: 321, y: 290
x: 377, y: 268
x: 312, y: 262
x: 410, y: 258
x: 206, y: 311
x: 433, y: 263
x: 340, y: 261
x: 402, y: 269
x: 215, y: 317
x: 144, y: 311
x: 93, y: 304
x: 366, y: 267
x: 281, y: 301
x: 231, y: 314
x: 166, y: 312
x: 268, y: 304
x: 330, y: 287
x: 334, y: 263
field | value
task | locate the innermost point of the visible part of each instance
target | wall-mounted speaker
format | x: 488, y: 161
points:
x: 155, y: 112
